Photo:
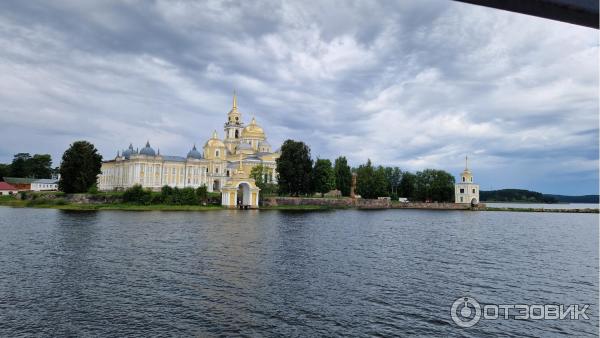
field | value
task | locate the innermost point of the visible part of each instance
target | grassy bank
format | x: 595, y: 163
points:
x: 300, y: 207
x: 64, y: 205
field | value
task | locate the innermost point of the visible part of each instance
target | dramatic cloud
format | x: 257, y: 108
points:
x: 415, y: 84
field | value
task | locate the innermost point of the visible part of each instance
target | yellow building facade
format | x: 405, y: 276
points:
x: 223, y: 165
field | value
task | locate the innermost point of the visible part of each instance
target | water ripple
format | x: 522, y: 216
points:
x: 248, y: 273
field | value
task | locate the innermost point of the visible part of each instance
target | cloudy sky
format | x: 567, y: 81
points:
x: 414, y: 84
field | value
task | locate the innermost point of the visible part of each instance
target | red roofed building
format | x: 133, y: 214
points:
x: 7, y: 189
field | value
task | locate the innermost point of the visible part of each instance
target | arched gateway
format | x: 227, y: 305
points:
x: 240, y: 191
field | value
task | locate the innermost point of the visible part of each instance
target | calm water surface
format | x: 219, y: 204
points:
x: 274, y: 273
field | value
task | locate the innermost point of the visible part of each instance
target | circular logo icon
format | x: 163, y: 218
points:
x: 465, y: 311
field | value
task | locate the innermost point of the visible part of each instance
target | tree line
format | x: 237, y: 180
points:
x: 25, y: 165
x: 516, y: 195
x: 169, y: 195
x: 299, y: 175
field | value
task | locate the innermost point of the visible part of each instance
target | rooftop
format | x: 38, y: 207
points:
x: 19, y: 180
x: 6, y: 186
x: 46, y: 181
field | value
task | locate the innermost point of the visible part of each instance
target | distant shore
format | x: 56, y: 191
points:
x: 574, y: 210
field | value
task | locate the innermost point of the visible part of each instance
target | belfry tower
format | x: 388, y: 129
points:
x: 233, y: 127
x: 465, y: 191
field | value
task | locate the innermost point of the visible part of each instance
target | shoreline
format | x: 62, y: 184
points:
x: 165, y: 207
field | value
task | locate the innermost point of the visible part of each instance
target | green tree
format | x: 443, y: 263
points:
x: 137, y: 195
x: 262, y: 178
x: 21, y: 165
x: 41, y: 166
x: 259, y: 173
x: 294, y: 167
x: 393, y: 177
x: 407, y: 185
x: 4, y: 170
x: 166, y: 194
x: 343, y: 175
x: 371, y: 182
x: 175, y: 196
x: 79, y: 168
x: 434, y: 185
x: 188, y: 196
x: 323, y: 176
x: 202, y: 194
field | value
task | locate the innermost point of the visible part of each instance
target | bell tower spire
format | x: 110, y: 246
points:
x: 233, y: 126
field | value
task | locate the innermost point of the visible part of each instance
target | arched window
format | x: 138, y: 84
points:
x: 216, y: 153
x: 463, y: 178
x: 237, y: 133
x: 217, y: 170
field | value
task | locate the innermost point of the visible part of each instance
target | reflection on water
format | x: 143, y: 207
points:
x: 262, y: 273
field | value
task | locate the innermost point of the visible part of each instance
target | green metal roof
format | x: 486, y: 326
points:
x: 19, y: 180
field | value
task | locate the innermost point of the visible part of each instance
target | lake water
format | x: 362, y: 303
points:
x: 544, y: 205
x: 276, y: 273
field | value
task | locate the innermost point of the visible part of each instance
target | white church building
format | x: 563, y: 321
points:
x: 465, y: 191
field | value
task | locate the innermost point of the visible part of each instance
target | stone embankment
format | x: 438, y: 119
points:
x: 437, y: 206
x: 360, y: 203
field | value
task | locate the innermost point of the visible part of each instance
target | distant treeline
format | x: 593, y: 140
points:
x: 25, y: 165
x: 521, y: 195
x: 300, y: 175
x: 575, y: 199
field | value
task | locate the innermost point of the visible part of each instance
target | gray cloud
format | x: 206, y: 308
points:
x: 413, y: 83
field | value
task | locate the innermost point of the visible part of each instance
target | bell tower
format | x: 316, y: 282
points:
x: 465, y: 191
x: 466, y: 176
x: 233, y: 126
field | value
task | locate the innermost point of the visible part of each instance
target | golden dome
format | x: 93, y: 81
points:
x: 253, y: 130
x: 214, y: 141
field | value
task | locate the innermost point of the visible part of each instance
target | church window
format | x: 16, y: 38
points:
x: 216, y: 153
x: 462, y: 191
x: 217, y: 170
x: 461, y: 199
x: 473, y: 190
x: 463, y: 178
x: 237, y: 133
x: 207, y: 169
x: 227, y: 172
x: 471, y: 179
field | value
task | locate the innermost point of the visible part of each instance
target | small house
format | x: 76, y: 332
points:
x: 7, y: 189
